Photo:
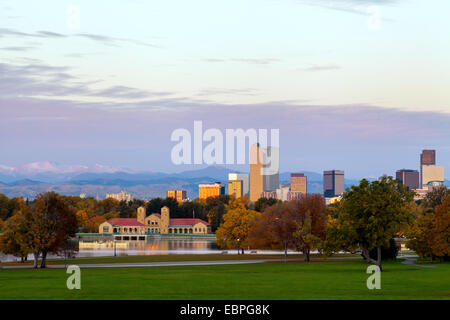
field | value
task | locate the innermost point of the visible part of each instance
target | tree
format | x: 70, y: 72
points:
x: 419, y: 234
x: 262, y: 203
x: 234, y: 231
x: 440, y: 233
x: 13, y: 239
x: 387, y: 253
x: 435, y: 197
x: 215, y: 208
x: 429, y: 235
x: 89, y: 222
x: 274, y: 229
x: 49, y: 224
x: 311, y: 220
x: 371, y: 214
x: 8, y: 206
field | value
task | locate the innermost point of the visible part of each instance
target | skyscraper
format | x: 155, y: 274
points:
x: 333, y: 183
x: 408, y: 178
x: 298, y: 183
x: 256, y: 178
x: 430, y: 173
x: 271, y: 176
x: 427, y: 158
x: 264, y: 170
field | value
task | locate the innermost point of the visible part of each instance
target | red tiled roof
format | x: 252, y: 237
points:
x: 186, y: 222
x: 125, y: 222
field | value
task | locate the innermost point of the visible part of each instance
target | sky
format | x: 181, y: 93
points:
x: 357, y: 85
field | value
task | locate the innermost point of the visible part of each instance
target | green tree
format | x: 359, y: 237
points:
x: 370, y: 215
x: 215, y: 209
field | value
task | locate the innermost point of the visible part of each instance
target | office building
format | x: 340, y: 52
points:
x: 282, y: 192
x: 432, y: 175
x: 408, y: 178
x: 256, y: 178
x: 333, y: 183
x: 243, y: 177
x: 271, y: 176
x: 211, y: 190
x: 298, y: 182
x: 179, y: 195
x: 122, y: 196
x: 264, y: 170
x: 427, y: 158
x: 235, y: 188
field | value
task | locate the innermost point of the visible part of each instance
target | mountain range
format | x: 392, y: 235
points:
x: 98, y: 180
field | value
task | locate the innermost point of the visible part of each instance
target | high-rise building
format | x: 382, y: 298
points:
x: 282, y: 192
x: 408, y: 178
x: 271, y: 176
x: 428, y: 157
x: 256, y: 178
x: 264, y: 174
x: 432, y: 175
x: 210, y: 190
x: 333, y: 183
x: 298, y: 183
x: 240, y: 176
x: 179, y: 195
x: 122, y: 196
x: 235, y: 188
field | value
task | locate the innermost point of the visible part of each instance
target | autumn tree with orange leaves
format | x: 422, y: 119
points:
x: 45, y: 227
x: 298, y: 224
x: 234, y: 231
x: 429, y: 234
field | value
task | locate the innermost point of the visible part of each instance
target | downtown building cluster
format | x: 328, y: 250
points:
x: 262, y: 183
x: 429, y: 177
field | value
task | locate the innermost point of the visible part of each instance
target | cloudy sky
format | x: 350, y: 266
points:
x: 358, y: 85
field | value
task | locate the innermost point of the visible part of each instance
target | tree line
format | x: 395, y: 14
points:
x: 367, y: 219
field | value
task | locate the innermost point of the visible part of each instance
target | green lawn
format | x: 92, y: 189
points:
x: 170, y: 258
x: 275, y: 280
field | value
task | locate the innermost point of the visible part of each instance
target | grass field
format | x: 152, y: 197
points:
x: 168, y: 258
x: 274, y: 280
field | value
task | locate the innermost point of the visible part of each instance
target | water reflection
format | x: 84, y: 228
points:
x: 148, y: 247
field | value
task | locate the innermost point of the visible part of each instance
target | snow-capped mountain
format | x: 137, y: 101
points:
x: 51, y: 172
